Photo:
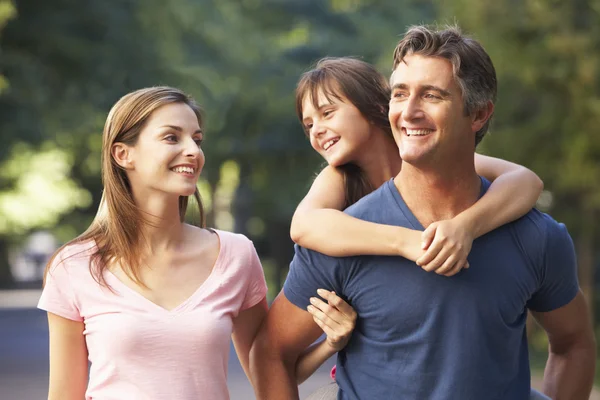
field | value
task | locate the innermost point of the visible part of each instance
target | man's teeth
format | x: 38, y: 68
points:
x: 329, y: 143
x: 188, y: 170
x: 417, y: 132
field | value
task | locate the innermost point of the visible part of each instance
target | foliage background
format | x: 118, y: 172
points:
x: 64, y: 63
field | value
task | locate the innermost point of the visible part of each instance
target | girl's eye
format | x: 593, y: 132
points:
x: 308, y: 127
x: 327, y: 113
x: 198, y: 141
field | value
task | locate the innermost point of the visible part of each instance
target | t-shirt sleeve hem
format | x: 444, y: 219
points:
x: 294, y: 298
x: 254, y: 299
x: 547, y: 307
x: 59, y: 311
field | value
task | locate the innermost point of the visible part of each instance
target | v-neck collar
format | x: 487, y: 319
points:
x: 145, y: 302
x: 408, y: 214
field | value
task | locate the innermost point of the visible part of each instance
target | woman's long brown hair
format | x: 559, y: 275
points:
x: 116, y: 229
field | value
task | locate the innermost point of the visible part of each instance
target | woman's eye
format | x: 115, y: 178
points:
x: 198, y: 141
x: 308, y: 127
x: 171, y: 138
x: 327, y: 113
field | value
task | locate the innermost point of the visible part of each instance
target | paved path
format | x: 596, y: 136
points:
x: 24, y: 360
x: 24, y: 355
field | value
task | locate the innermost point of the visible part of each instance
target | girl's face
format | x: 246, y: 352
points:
x: 167, y: 156
x: 336, y: 128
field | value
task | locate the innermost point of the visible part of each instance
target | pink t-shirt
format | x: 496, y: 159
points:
x: 141, y: 351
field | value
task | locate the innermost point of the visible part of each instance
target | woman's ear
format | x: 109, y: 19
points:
x: 122, y: 155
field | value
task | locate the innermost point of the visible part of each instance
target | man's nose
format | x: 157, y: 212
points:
x: 412, y: 109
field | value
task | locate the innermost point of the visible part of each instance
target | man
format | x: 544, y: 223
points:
x: 420, y: 335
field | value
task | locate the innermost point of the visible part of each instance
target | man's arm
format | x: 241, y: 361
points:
x: 285, y: 334
x: 569, y: 372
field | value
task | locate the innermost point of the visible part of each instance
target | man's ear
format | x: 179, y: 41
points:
x: 481, y: 116
x: 122, y: 155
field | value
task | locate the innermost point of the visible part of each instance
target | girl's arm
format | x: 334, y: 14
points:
x: 319, y: 224
x: 245, y: 328
x: 513, y: 192
x: 68, y: 359
x: 337, y: 319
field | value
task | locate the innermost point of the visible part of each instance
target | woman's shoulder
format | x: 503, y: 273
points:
x: 74, y: 253
x: 232, y: 238
x: 229, y: 243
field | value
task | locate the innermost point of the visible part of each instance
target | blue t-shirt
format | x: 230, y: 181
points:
x: 423, y: 336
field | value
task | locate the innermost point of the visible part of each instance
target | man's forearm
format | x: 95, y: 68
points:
x: 569, y: 375
x: 273, y: 378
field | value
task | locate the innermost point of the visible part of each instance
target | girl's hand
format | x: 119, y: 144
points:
x: 448, y: 244
x: 336, y: 318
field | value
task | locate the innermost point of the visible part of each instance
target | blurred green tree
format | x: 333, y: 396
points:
x: 548, y: 112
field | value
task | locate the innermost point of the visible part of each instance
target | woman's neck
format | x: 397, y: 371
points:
x: 161, y: 228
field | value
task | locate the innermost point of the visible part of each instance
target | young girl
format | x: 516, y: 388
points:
x: 343, y: 105
x: 149, y: 300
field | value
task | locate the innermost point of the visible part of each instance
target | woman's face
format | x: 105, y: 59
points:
x: 336, y: 128
x: 167, y: 156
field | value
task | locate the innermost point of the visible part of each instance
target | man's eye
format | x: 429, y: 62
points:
x: 398, y: 94
x: 432, y: 96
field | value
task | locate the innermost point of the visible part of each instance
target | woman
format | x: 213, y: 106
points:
x: 149, y: 300
x: 343, y: 104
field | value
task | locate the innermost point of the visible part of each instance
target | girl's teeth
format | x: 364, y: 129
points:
x: 329, y: 144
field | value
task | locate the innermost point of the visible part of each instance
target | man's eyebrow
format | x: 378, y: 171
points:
x: 442, y: 92
x: 400, y: 86
x: 438, y: 89
x: 179, y: 129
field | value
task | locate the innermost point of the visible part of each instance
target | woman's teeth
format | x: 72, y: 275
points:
x: 187, y: 170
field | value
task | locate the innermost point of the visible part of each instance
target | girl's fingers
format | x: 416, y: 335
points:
x: 337, y: 302
x: 428, y: 235
x: 431, y: 253
x: 448, y: 265
x: 322, y: 316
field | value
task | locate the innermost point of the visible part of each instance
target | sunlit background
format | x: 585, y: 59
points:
x: 63, y: 63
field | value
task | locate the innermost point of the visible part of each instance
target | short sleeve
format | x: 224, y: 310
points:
x: 257, y: 286
x: 309, y: 271
x: 559, y: 284
x: 57, y: 295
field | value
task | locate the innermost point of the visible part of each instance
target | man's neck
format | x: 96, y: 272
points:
x: 438, y: 193
x: 381, y: 160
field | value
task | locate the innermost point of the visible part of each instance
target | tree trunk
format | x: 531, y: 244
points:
x: 6, y: 279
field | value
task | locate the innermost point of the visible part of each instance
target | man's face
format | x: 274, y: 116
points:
x: 427, y: 113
